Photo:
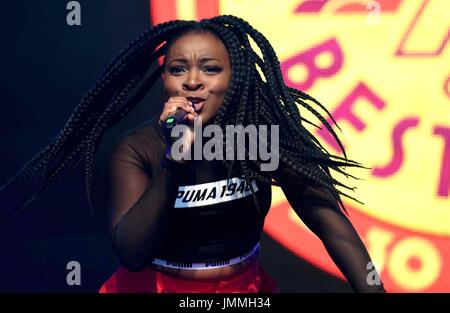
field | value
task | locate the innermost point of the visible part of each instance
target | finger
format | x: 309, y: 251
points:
x: 170, y: 108
x: 167, y: 112
x: 191, y: 117
x: 182, y: 103
x: 176, y: 106
x: 173, y: 105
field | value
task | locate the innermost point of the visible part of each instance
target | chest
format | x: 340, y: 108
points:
x: 204, y: 187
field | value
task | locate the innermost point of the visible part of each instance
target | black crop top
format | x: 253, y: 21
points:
x: 191, y: 213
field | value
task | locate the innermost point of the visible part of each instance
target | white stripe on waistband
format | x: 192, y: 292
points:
x: 206, y: 265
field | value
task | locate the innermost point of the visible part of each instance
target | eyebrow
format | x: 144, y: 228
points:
x: 201, y: 60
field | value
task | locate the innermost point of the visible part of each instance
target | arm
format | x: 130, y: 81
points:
x: 138, y: 203
x: 321, y: 214
x: 137, y: 218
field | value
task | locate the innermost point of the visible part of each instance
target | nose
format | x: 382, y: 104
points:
x: 192, y: 81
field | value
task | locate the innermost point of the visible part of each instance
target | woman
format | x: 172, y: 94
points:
x: 194, y: 225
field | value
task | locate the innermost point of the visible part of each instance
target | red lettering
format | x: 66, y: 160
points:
x: 397, y: 158
x: 307, y: 59
x: 344, y: 112
x: 444, y: 178
x: 447, y: 87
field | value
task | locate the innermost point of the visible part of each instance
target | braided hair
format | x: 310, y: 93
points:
x: 250, y: 100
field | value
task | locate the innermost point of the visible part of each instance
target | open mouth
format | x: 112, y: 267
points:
x: 197, y: 103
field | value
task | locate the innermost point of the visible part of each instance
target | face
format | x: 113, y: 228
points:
x: 198, y: 65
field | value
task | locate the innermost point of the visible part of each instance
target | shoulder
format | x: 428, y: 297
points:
x: 143, y: 144
x: 134, y: 151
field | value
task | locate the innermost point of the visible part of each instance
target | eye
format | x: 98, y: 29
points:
x: 175, y: 69
x: 212, y: 69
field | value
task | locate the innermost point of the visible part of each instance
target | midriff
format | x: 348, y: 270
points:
x: 209, y: 274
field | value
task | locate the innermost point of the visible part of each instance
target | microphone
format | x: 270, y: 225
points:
x: 178, y: 117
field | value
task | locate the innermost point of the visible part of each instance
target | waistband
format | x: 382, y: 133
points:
x: 207, y: 265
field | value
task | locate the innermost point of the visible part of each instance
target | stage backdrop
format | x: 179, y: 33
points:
x: 382, y: 70
x: 48, y: 64
x: 381, y: 67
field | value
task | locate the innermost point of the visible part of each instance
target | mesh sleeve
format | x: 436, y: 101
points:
x: 138, y: 211
x: 320, y: 212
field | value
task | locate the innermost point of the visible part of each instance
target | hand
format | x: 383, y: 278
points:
x: 175, y: 103
x: 172, y: 105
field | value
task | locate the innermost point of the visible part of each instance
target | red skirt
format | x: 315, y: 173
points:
x: 253, y: 280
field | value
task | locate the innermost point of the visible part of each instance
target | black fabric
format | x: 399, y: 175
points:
x: 145, y: 223
x: 320, y: 212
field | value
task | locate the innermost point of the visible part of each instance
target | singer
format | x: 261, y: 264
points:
x: 195, y: 225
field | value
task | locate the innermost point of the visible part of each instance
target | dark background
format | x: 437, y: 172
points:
x: 47, y: 66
